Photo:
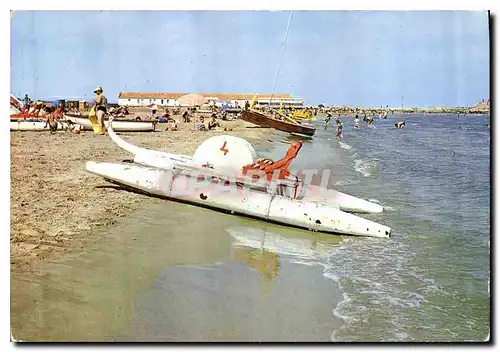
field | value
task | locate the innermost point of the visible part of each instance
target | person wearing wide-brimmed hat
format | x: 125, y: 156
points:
x: 100, y: 106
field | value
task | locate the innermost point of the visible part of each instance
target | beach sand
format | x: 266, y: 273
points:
x: 56, y: 204
x: 93, y: 262
x: 170, y: 272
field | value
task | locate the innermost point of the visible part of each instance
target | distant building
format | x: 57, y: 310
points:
x: 219, y: 99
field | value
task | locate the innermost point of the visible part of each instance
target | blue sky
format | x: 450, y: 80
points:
x: 358, y: 58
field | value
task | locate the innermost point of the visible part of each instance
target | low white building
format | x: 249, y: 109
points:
x: 235, y: 100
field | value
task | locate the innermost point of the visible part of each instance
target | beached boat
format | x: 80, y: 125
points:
x: 14, y: 102
x: 167, y: 161
x: 121, y: 125
x: 239, y: 196
x: 33, y: 125
x: 264, y: 120
x: 221, y: 174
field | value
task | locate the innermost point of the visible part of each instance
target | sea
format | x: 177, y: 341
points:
x: 431, y: 280
x: 174, y: 272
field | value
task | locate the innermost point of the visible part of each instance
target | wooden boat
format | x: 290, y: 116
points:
x: 33, y: 125
x: 17, y: 115
x: 118, y: 124
x: 14, y: 102
x: 264, y: 120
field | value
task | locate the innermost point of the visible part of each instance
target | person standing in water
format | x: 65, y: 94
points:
x: 400, y: 124
x: 369, y: 121
x: 101, y: 107
x: 327, y: 120
x: 339, y: 129
x: 356, y: 122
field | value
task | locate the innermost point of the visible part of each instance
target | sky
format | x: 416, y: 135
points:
x: 356, y: 58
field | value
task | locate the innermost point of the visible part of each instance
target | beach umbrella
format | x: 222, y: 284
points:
x: 192, y: 100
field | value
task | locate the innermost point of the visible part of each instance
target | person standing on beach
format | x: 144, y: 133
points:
x: 101, y: 107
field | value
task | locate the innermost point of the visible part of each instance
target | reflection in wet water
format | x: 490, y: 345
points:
x: 260, y: 248
x: 267, y: 263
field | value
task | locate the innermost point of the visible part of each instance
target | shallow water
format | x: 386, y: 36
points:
x: 429, y: 282
x: 158, y: 277
x: 175, y: 272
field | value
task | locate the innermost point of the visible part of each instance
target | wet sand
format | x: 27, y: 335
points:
x: 56, y: 204
x: 155, y: 276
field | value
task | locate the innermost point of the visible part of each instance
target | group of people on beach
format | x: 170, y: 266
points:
x: 40, y: 110
x: 357, y: 125
x: 212, y: 124
x: 100, y: 109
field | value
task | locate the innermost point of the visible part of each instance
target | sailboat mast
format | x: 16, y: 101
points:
x: 281, y: 58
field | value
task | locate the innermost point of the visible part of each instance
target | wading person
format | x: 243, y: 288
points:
x: 339, y: 129
x: 327, y: 120
x: 356, y: 122
x: 369, y: 121
x: 399, y: 124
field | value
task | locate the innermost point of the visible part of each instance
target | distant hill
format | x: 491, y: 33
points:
x: 483, y: 106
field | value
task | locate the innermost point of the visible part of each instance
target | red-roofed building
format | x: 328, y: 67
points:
x: 170, y: 99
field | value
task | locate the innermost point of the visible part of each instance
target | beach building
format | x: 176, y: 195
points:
x: 219, y: 99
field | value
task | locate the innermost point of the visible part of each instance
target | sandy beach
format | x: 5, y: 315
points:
x: 56, y: 205
x: 93, y: 262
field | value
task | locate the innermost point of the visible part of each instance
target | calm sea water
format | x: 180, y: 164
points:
x: 430, y: 280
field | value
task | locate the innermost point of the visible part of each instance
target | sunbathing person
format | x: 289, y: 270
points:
x: 59, y: 112
x: 165, y: 118
x: 201, y: 125
x: 172, y: 126
x: 35, y: 109
x: 212, y: 124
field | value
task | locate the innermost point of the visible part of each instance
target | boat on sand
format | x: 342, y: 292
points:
x: 286, y: 125
x: 120, y: 125
x: 224, y: 174
x: 34, y: 125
